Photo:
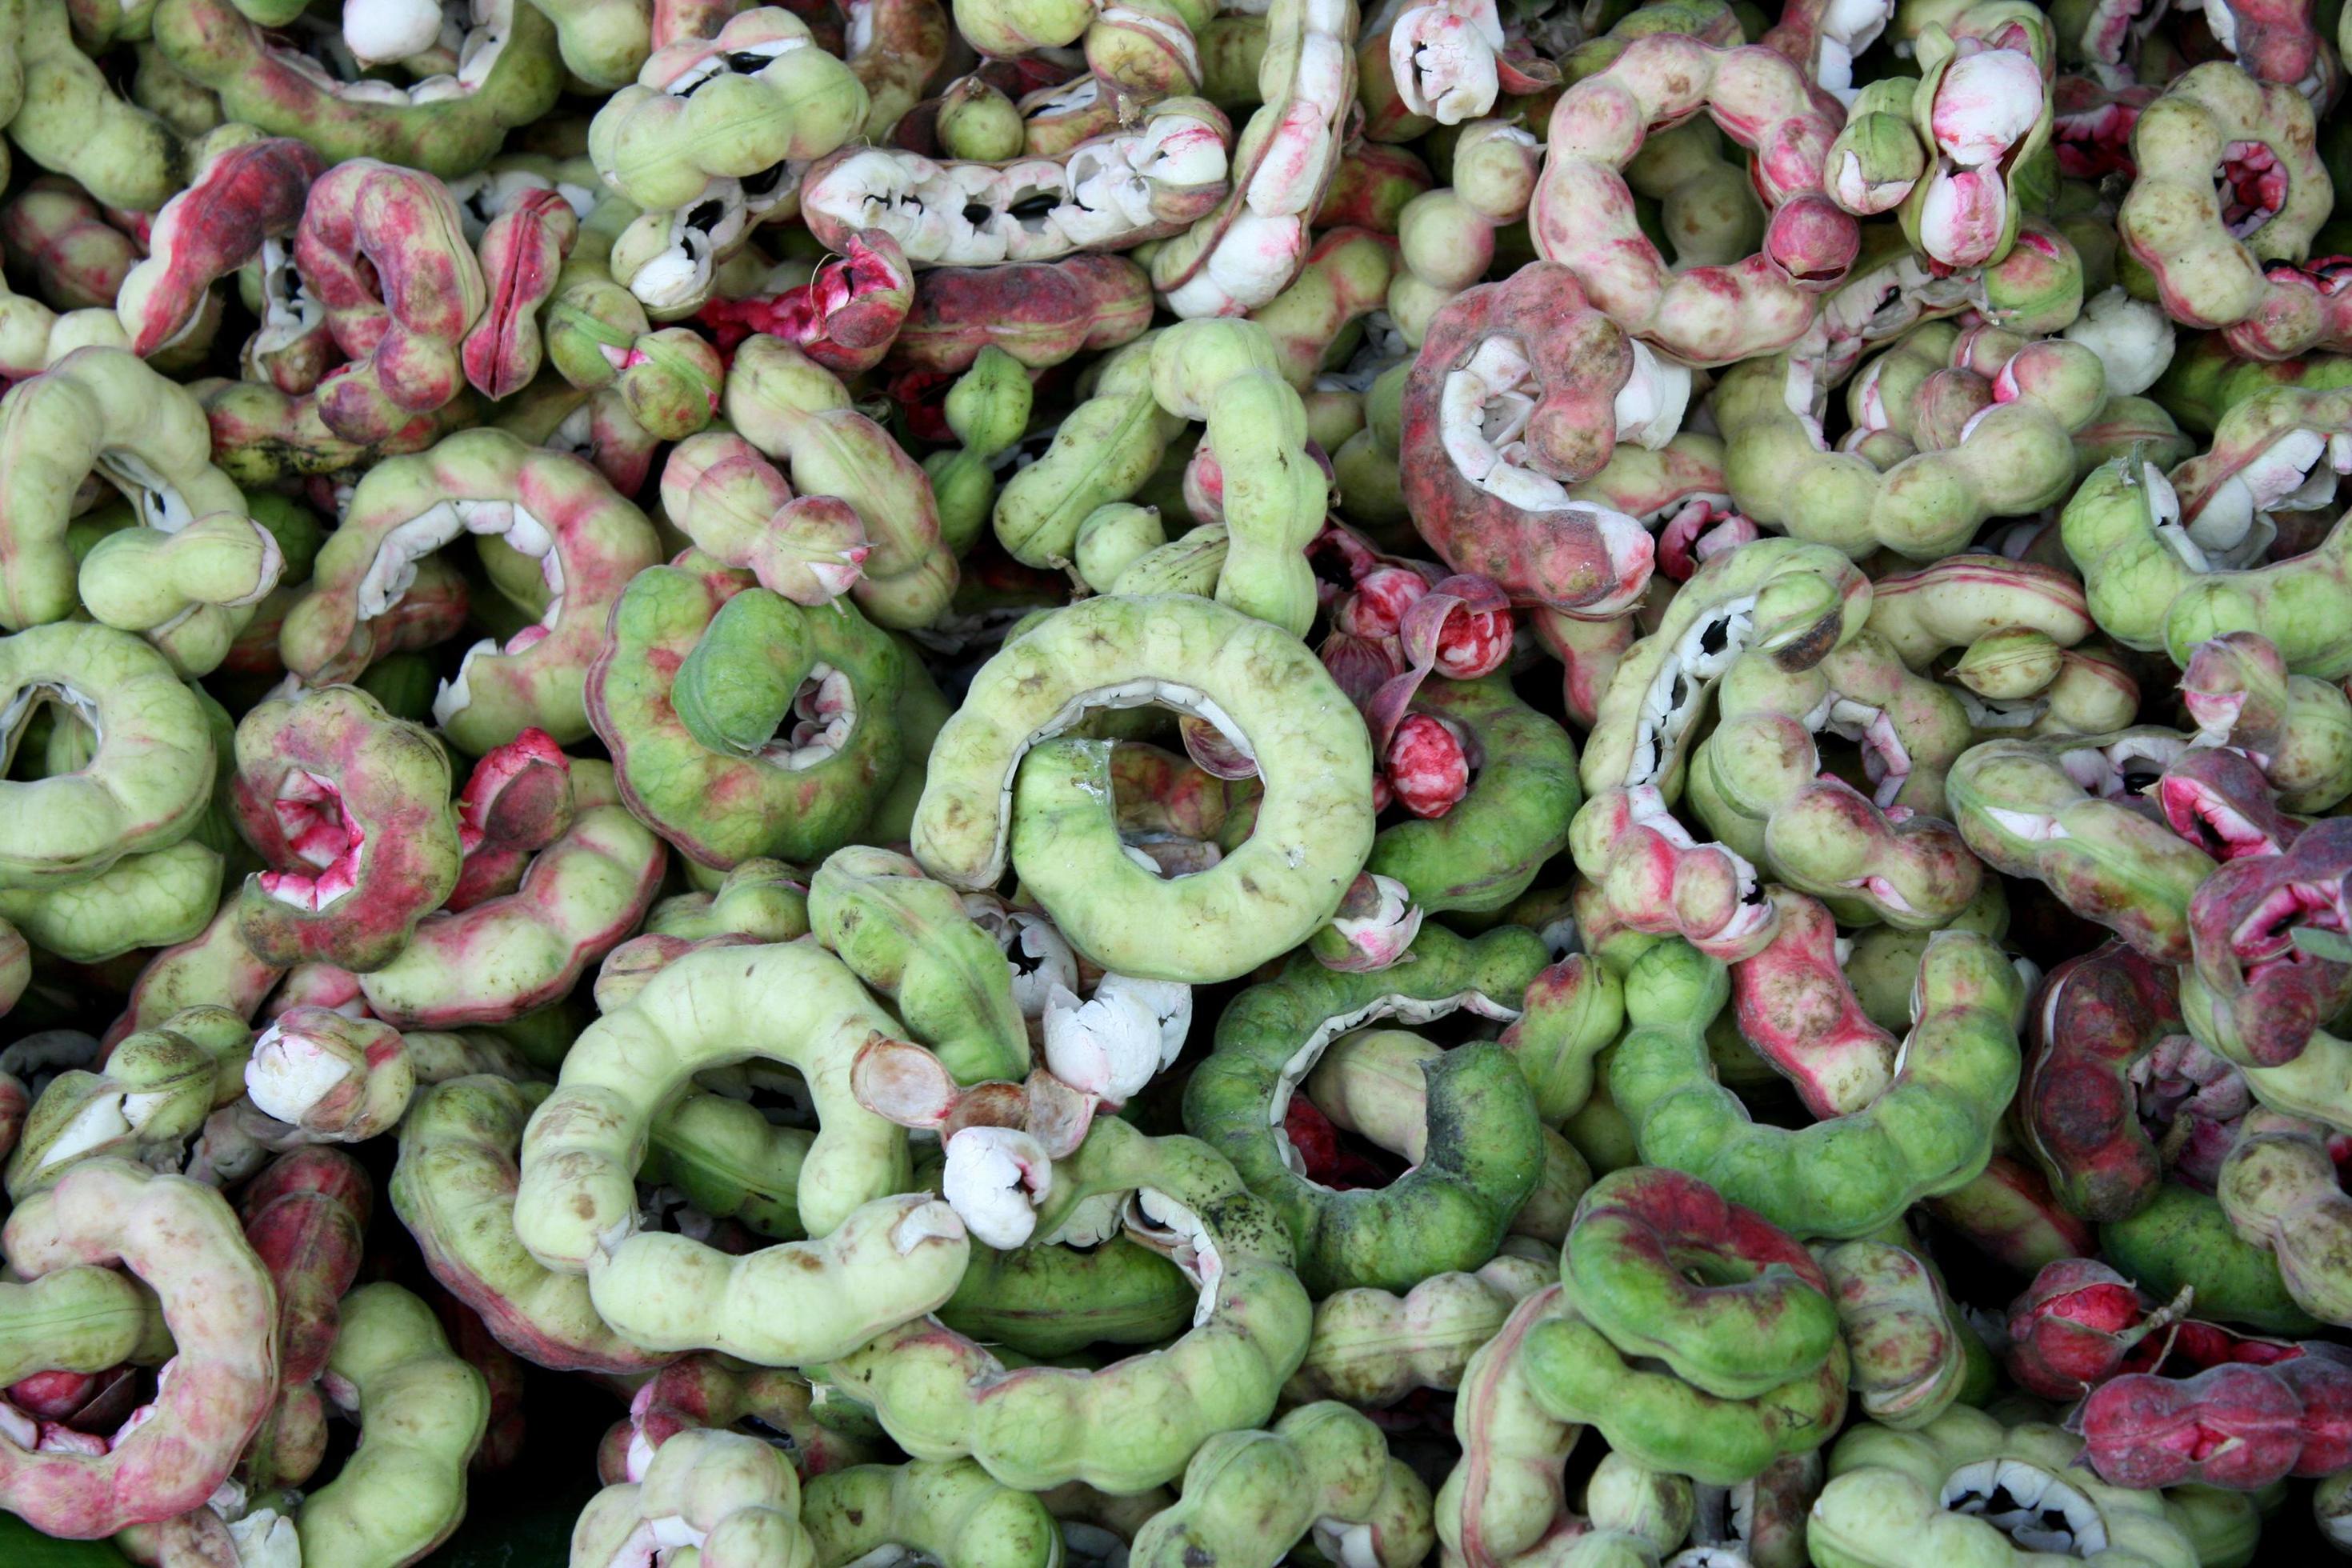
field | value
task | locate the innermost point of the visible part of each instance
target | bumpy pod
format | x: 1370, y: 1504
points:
x: 1929, y: 1132
x: 1583, y: 214
x: 1267, y: 694
x: 1940, y: 1490
x: 496, y: 960
x: 577, y: 1204
x: 938, y: 1395
x: 446, y: 125
x: 454, y: 1188
x: 742, y: 726
x: 1323, y: 1469
x: 97, y: 410
x: 1505, y: 509
x: 586, y: 541
x: 351, y: 809
x: 2060, y: 811
x: 1485, y: 1152
x: 182, y: 1238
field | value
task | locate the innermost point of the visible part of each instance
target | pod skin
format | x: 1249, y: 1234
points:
x: 1314, y: 825
x: 1485, y: 1152
x: 1929, y: 1132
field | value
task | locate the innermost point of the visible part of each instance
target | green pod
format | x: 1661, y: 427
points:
x: 1265, y: 690
x: 2184, y: 1239
x: 724, y: 805
x: 1249, y: 1497
x: 1657, y: 1419
x: 76, y: 1319
x: 1053, y: 1300
x: 1103, y: 452
x: 764, y: 899
x: 950, y: 1512
x: 922, y: 710
x: 1264, y: 1502
x: 1666, y: 1269
x: 909, y: 938
x: 1485, y: 1144
x: 1131, y: 1424
x: 1486, y: 850
x: 422, y: 1412
x: 1571, y: 1013
x: 1896, y: 1498
x: 1189, y: 564
x: 454, y: 1190
x: 735, y: 688
x: 1929, y: 1132
x: 730, y: 1163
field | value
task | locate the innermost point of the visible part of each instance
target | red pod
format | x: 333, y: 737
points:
x: 521, y: 251
x: 1503, y: 511
x: 2100, y: 1017
x: 845, y: 318
x: 2270, y: 994
x: 1039, y: 312
x: 383, y: 249
x: 1796, y: 1009
x: 518, y: 802
x: 2078, y: 1324
x: 306, y: 1216
x: 2235, y: 1425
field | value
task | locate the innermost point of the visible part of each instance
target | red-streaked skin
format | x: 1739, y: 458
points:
x: 183, y: 1241
x: 1701, y: 531
x: 2276, y: 41
x: 1036, y: 311
x: 1370, y: 188
x: 518, y: 801
x: 242, y: 195
x: 1583, y: 215
x: 2092, y: 124
x: 845, y: 318
x: 342, y: 805
x: 1502, y: 1479
x: 2219, y: 799
x: 1565, y: 559
x: 2307, y: 309
x: 306, y: 1218
x: 2237, y: 1426
x: 701, y: 1391
x: 2198, y: 479
x: 316, y: 985
x: 14, y: 1102
x: 214, y: 966
x: 1658, y: 880
x: 1427, y: 765
x: 613, y: 862
x: 78, y: 258
x: 2098, y: 1015
x: 2271, y: 995
x: 382, y: 248
x: 1470, y: 642
x: 520, y: 253
x: 2008, y: 1214
x: 1796, y: 1009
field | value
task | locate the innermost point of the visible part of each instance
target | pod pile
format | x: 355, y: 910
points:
x: 1534, y: 786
